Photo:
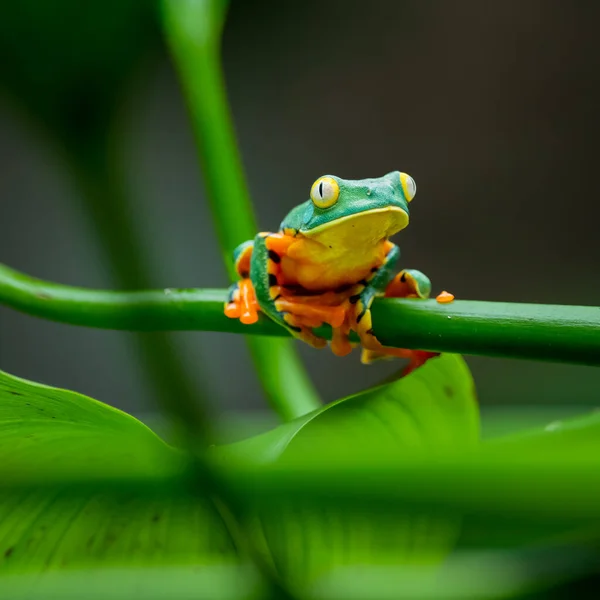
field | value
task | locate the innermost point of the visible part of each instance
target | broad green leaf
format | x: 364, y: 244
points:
x: 64, y: 441
x: 573, y: 436
x: 467, y: 576
x: 213, y: 582
x: 431, y: 410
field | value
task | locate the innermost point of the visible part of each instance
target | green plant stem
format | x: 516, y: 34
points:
x: 568, y: 334
x: 193, y: 29
x: 184, y: 406
x: 97, y: 171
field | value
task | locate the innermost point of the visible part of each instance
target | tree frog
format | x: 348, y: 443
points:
x: 330, y: 258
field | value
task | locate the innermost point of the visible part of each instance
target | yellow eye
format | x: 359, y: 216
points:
x: 324, y: 192
x: 409, y: 187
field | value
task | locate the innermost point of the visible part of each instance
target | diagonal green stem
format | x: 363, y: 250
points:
x: 178, y: 399
x: 193, y: 29
x: 569, y: 334
x: 98, y: 173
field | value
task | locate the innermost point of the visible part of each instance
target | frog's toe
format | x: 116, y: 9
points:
x: 242, y: 303
x: 340, y: 340
x: 233, y: 307
x: 300, y: 331
x: 312, y: 315
x: 362, y: 322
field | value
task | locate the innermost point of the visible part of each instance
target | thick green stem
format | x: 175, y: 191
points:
x: 97, y: 172
x: 569, y: 334
x: 193, y: 29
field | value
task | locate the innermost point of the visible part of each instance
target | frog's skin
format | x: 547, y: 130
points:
x: 330, y: 259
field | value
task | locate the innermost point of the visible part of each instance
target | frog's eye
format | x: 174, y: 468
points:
x: 324, y: 192
x: 409, y: 187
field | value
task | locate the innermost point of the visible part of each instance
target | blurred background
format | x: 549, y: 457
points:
x: 491, y: 107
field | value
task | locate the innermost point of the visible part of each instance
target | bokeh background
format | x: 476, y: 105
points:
x: 491, y: 106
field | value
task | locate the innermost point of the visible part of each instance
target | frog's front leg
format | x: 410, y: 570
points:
x: 265, y: 273
x: 360, y: 319
x: 409, y: 283
x: 241, y: 300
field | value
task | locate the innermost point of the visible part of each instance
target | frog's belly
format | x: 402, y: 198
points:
x: 326, y: 271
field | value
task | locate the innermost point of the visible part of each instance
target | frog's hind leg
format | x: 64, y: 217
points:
x: 265, y: 273
x: 409, y: 283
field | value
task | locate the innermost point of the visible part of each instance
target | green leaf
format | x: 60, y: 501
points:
x: 63, y: 442
x: 432, y: 409
x: 574, y: 436
x: 213, y: 582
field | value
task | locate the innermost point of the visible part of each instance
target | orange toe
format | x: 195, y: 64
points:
x: 311, y: 313
x: 248, y: 318
x: 233, y: 310
x: 340, y: 343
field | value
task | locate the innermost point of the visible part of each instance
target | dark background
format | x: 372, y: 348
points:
x: 490, y: 106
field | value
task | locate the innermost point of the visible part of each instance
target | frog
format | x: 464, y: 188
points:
x: 329, y: 260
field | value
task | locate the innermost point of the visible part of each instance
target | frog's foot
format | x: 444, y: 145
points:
x: 360, y: 320
x: 306, y: 313
x: 340, y: 340
x: 416, y: 358
x: 300, y: 330
x: 312, y: 314
x: 409, y: 283
x: 242, y: 303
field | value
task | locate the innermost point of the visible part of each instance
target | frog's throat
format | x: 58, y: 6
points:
x: 364, y: 226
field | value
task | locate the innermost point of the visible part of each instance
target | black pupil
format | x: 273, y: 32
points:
x: 321, y: 189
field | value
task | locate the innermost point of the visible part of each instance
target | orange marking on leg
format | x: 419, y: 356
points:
x: 334, y: 315
x: 308, y: 322
x: 279, y: 242
x: 243, y: 263
x: 445, y: 297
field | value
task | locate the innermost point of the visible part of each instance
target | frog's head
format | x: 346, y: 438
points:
x: 364, y: 211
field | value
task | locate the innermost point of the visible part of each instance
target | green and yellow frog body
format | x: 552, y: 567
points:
x: 330, y: 258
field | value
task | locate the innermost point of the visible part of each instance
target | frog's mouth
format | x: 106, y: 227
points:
x: 361, y: 228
